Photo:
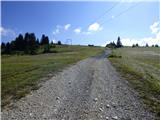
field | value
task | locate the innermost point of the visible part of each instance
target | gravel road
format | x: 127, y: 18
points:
x: 88, y: 90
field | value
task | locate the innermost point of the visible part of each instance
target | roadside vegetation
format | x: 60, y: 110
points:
x: 22, y: 73
x: 141, y: 67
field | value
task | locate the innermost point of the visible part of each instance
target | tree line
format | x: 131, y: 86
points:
x: 117, y: 45
x: 136, y: 45
x: 27, y: 44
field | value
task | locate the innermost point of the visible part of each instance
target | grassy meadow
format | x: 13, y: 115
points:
x: 22, y: 73
x: 141, y: 67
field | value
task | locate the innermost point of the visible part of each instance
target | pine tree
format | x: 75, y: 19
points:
x: 13, y: 47
x: 26, y: 42
x: 147, y: 45
x: 119, y: 44
x: 156, y: 45
x: 42, y: 40
x: 59, y: 43
x: 19, y: 43
x: 3, y: 45
x: 46, y: 45
x: 32, y: 44
x: 133, y: 45
x: 37, y: 43
x: 7, y: 48
x: 51, y: 42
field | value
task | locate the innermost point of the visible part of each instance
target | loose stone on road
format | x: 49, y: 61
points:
x: 89, y: 90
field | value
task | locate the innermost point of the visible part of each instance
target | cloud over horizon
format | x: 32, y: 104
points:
x: 155, y: 30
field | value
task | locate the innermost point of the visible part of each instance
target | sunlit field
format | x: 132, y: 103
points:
x: 22, y: 73
x: 141, y: 67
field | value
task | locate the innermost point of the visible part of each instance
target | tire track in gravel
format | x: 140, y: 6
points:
x: 89, y: 90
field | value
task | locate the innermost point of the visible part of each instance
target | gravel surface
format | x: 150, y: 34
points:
x: 89, y: 90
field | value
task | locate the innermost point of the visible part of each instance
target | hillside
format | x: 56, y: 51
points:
x: 141, y: 67
x: 89, y: 90
x: 23, y: 73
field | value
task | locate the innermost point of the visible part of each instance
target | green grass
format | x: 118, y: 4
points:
x: 21, y: 74
x: 141, y: 67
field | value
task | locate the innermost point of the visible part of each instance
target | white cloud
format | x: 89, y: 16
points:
x: 141, y: 41
x: 150, y: 40
x: 94, y: 27
x: 86, y: 33
x: 112, y: 16
x: 154, y: 27
x: 130, y: 42
x: 60, y: 28
x: 77, y: 30
x: 67, y: 26
x: 158, y: 35
x: 57, y: 30
x: 6, y: 32
x: 155, y: 30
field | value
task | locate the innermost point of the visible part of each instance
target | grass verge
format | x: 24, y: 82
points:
x: 141, y: 67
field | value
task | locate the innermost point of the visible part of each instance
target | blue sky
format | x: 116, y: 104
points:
x: 83, y: 22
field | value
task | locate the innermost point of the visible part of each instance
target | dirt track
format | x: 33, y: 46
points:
x: 89, y: 90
